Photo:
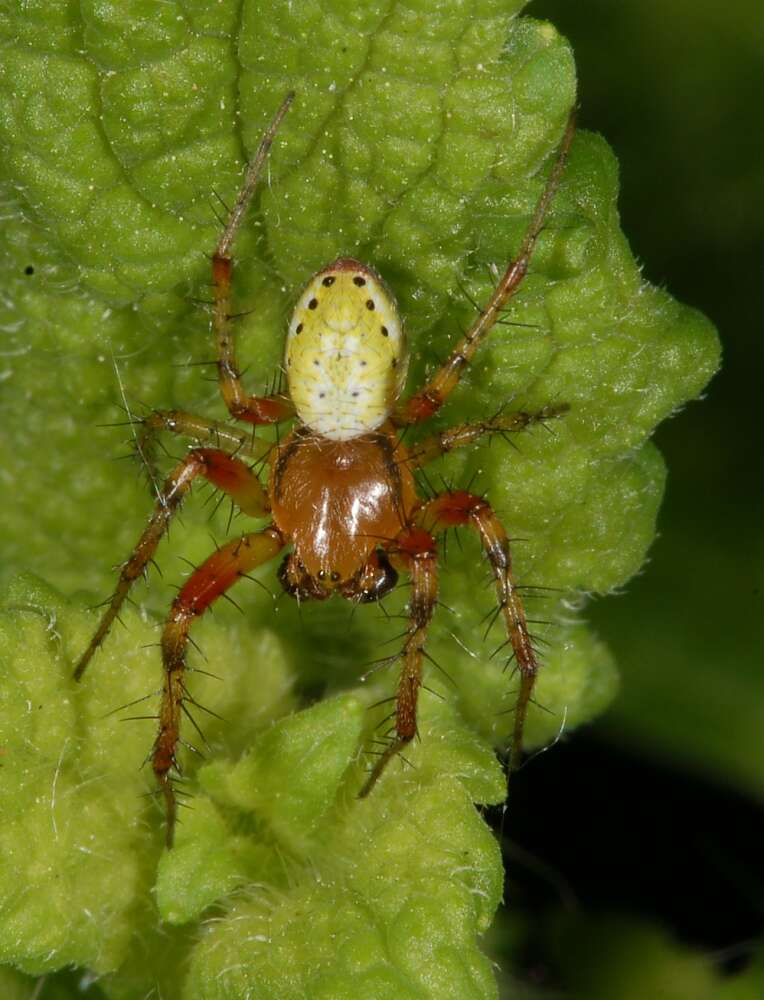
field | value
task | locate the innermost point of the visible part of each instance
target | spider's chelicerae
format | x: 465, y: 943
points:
x: 341, y: 488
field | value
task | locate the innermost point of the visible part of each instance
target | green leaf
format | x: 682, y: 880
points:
x: 419, y: 141
x: 618, y: 956
x: 77, y: 857
x: 392, y: 899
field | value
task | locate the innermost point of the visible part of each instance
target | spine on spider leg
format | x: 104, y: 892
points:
x: 210, y: 581
x: 424, y: 596
x: 163, y: 760
x: 459, y: 507
x: 496, y: 545
x: 174, y: 422
x: 250, y: 181
x: 524, y: 654
x: 242, y: 443
x: 228, y: 370
x: 430, y: 398
x: 252, y: 409
x: 416, y: 553
x: 229, y: 474
x: 269, y: 409
x: 518, y: 268
x: 177, y: 486
x: 462, y: 435
x: 146, y: 442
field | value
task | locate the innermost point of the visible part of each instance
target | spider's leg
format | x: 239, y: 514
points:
x: 461, y: 508
x: 240, y: 443
x: 211, y: 580
x: 254, y: 409
x: 229, y: 474
x: 461, y: 435
x: 431, y: 396
x: 415, y: 551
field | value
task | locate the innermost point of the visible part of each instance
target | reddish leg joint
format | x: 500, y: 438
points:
x: 462, y: 508
x: 413, y: 550
x: 211, y: 580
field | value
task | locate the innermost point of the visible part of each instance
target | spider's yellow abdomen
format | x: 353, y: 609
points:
x: 345, y: 352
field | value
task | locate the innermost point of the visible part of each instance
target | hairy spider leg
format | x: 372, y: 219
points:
x: 211, y: 580
x: 241, y: 443
x: 414, y: 550
x: 462, y: 435
x: 433, y: 394
x: 253, y: 409
x: 457, y: 508
x: 229, y: 474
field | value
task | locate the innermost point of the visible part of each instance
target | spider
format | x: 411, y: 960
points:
x: 341, y: 488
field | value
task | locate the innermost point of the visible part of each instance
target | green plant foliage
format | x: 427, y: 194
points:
x: 419, y: 141
x: 622, y: 957
x: 699, y: 219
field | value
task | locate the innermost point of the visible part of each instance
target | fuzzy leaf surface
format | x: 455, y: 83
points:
x: 419, y: 141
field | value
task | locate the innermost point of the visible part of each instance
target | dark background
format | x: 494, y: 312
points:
x: 654, y: 814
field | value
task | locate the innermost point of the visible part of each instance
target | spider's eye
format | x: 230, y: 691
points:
x: 345, y: 353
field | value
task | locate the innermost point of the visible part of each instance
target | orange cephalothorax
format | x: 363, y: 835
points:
x: 339, y: 500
